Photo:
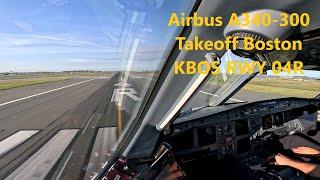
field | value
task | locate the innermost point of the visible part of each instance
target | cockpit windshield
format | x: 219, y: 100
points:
x: 145, y: 48
x: 267, y: 85
x: 73, y: 75
x: 218, y: 84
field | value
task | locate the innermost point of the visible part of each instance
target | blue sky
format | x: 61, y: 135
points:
x: 57, y: 35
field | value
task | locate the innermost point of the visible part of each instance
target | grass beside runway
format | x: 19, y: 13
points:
x: 307, y: 88
x: 289, y: 87
x: 10, y: 84
x: 16, y: 80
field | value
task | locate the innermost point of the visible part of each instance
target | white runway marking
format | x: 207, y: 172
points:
x: 64, y: 166
x: 143, y: 78
x: 46, y: 92
x: 39, y: 164
x: 86, y: 126
x: 14, y: 140
x: 237, y: 100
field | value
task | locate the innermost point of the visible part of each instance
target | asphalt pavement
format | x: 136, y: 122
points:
x: 46, y: 109
x: 81, y: 111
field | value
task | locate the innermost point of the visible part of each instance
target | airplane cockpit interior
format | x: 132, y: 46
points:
x: 226, y: 138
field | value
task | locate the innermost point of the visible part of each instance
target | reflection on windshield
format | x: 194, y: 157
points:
x: 145, y: 41
x: 218, y: 84
x: 225, y: 79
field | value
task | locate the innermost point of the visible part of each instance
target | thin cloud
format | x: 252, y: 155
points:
x: 63, y: 39
x: 25, y: 26
x: 32, y: 37
x: 58, y: 3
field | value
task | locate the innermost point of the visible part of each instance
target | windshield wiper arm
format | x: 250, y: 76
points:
x: 190, y: 110
x: 195, y: 109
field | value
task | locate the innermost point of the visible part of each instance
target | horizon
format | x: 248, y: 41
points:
x: 308, y: 73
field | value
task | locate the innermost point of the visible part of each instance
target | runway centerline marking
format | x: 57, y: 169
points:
x: 217, y: 96
x: 46, y: 92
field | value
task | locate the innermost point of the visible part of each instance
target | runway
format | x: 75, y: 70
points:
x: 80, y: 111
x: 37, y: 112
x: 31, y: 116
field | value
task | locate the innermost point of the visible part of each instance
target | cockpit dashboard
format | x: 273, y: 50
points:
x: 240, y: 131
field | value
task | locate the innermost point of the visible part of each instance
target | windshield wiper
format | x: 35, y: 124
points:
x: 195, y: 109
x: 190, y: 111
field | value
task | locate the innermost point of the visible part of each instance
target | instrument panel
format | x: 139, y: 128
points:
x: 233, y: 131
